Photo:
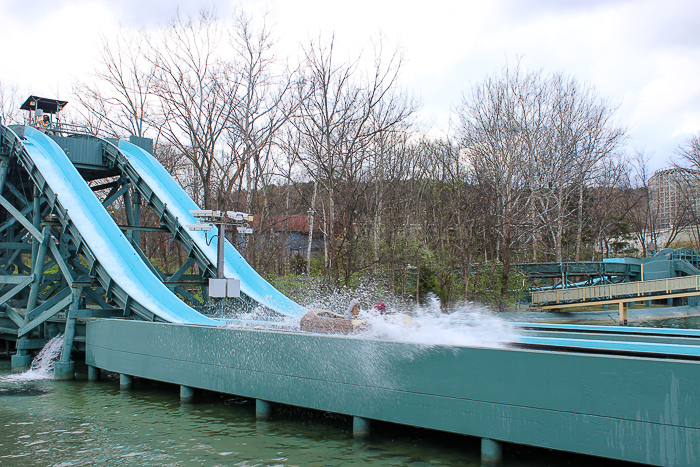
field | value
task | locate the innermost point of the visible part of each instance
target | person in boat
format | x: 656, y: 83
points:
x: 380, y: 308
x: 351, y: 321
x: 353, y: 309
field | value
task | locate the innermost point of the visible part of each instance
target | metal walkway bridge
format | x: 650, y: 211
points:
x: 618, y: 294
x: 609, y: 272
x: 664, y: 264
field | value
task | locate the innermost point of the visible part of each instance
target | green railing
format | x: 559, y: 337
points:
x: 612, y: 291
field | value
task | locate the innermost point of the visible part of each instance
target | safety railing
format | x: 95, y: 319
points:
x: 612, y: 291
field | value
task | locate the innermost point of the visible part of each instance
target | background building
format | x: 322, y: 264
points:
x: 674, y: 197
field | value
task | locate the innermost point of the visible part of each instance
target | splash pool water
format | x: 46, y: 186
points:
x: 59, y: 423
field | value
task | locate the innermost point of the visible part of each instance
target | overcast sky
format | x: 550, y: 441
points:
x: 641, y: 55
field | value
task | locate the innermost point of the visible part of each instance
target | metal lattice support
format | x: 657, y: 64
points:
x: 43, y: 261
x: 50, y: 280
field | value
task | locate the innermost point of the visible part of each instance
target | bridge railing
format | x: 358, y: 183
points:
x: 611, y: 291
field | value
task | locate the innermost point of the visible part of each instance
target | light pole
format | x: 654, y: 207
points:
x: 221, y: 286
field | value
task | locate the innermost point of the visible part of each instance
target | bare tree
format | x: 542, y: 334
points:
x: 688, y: 170
x: 265, y: 104
x: 388, y: 162
x: 120, y: 99
x: 611, y: 199
x: 10, y: 101
x: 582, y: 135
x: 338, y: 120
x: 689, y: 151
x: 197, y: 92
x: 499, y: 122
x: 647, y: 220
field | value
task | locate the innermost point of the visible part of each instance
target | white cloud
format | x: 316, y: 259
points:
x: 643, y: 55
x: 52, y: 48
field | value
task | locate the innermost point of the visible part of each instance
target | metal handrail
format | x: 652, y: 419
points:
x: 611, y: 291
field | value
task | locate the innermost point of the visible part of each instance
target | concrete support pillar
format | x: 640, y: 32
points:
x: 186, y: 394
x: 360, y: 427
x: 64, y: 371
x: 491, y: 452
x: 263, y: 409
x: 94, y: 373
x: 623, y: 314
x: 21, y: 361
x: 126, y: 382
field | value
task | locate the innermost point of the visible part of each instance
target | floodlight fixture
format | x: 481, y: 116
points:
x: 240, y: 216
x: 205, y: 227
x: 198, y: 213
x: 207, y: 219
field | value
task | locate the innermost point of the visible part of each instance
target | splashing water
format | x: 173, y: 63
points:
x: 316, y: 296
x: 42, y: 365
x: 467, y: 326
x: 313, y: 295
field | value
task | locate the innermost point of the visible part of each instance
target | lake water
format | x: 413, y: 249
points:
x: 76, y: 423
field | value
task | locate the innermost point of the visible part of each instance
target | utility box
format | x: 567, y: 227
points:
x: 217, y: 288
x: 224, y: 288
x: 233, y: 288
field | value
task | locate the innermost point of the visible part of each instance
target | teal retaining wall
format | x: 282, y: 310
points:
x: 637, y: 409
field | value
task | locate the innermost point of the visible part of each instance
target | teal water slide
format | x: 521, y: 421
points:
x: 115, y: 253
x: 102, y: 235
x: 179, y: 204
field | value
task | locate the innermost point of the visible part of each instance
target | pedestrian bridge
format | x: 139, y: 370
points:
x: 620, y: 294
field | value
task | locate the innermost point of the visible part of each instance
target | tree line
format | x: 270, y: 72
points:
x: 535, y: 168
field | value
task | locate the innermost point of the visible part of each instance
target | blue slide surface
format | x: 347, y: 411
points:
x: 668, y: 350
x: 180, y: 204
x: 99, y: 231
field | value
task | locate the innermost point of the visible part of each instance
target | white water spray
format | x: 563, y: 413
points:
x: 42, y: 365
x: 466, y: 324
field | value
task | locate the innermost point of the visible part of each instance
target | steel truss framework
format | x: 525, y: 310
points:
x: 50, y: 280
